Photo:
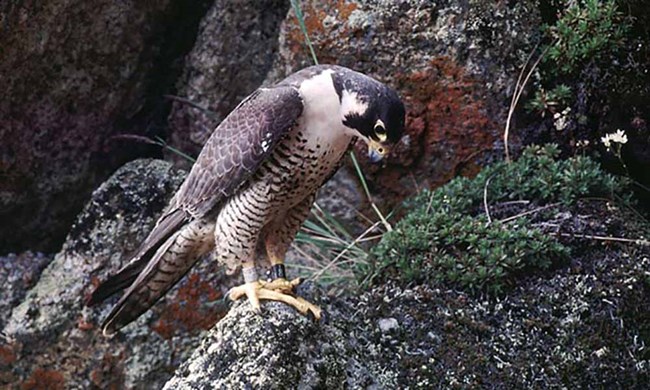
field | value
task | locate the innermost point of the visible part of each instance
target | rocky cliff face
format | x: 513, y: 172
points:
x: 75, y: 76
x: 99, y: 71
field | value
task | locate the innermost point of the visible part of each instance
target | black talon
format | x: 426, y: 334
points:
x: 226, y: 297
x: 324, y: 317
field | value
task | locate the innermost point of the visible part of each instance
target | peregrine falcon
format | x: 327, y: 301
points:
x: 253, y: 185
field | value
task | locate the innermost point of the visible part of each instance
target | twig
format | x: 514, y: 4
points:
x: 135, y: 137
x: 174, y: 150
x: 430, y: 203
x: 519, y: 89
x: 362, y: 178
x: 158, y: 142
x: 474, y: 154
x: 513, y: 202
x: 643, y: 187
x: 192, y: 104
x: 638, y: 241
x: 485, y: 202
x: 347, y: 248
x: 372, y: 238
x: 364, y: 217
x: 548, y: 206
x: 513, y: 103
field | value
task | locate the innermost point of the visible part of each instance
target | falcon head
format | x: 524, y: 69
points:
x: 372, y: 110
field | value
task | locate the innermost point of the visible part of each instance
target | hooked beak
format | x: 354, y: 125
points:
x: 376, y: 151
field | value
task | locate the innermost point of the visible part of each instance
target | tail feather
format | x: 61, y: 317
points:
x: 163, y: 230
x: 171, y: 261
x: 116, y: 283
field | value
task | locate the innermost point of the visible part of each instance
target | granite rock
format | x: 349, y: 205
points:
x: 76, y: 76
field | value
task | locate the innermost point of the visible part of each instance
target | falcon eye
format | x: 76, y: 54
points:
x: 380, y: 130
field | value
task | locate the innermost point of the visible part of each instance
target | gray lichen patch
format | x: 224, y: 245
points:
x: 279, y: 348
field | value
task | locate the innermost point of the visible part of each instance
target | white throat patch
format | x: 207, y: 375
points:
x: 321, y: 113
x: 319, y: 90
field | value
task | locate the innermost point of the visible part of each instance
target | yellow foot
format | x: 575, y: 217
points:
x: 257, y: 291
x: 282, y: 285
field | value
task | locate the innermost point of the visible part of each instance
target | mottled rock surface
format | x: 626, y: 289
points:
x: 53, y: 338
x: 233, y: 52
x: 18, y: 273
x: 75, y: 74
x: 581, y: 325
x: 278, y: 349
x: 579, y: 328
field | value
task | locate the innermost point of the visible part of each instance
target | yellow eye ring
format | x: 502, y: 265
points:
x: 380, y: 130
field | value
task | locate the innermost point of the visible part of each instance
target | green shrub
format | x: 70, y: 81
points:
x: 446, y: 237
x: 543, y: 100
x: 587, y: 32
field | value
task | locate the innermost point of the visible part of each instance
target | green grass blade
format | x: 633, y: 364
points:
x: 303, y: 27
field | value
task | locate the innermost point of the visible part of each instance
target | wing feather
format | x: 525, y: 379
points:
x: 238, y: 146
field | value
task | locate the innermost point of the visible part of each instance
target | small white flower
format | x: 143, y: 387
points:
x: 606, y: 141
x: 601, y: 352
x: 561, y: 119
x: 619, y: 137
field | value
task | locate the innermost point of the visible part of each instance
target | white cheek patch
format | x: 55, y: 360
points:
x: 352, y: 104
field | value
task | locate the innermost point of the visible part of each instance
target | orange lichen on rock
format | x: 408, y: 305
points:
x: 7, y: 355
x: 316, y: 29
x: 42, y: 379
x: 110, y: 373
x: 184, y: 311
x: 84, y: 325
x: 448, y: 129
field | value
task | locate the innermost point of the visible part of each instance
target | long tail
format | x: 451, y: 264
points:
x: 167, y: 256
x: 164, y: 229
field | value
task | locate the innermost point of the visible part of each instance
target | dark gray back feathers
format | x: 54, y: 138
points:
x: 238, y: 146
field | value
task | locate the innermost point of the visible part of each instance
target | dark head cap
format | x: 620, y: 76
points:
x: 370, y: 108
